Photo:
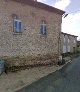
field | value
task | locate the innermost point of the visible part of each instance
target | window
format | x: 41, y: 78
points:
x: 43, y: 28
x: 64, y: 39
x: 17, y: 25
x: 68, y: 39
x: 68, y: 48
x: 74, y: 41
x: 64, y: 49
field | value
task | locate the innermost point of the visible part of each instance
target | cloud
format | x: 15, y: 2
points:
x: 41, y: 0
x: 71, y: 24
x: 62, y: 4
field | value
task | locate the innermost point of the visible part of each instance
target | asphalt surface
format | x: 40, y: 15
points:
x: 65, y: 80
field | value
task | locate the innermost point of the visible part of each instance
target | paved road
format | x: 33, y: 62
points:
x: 65, y: 80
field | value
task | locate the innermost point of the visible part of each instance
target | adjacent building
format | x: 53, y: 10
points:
x: 78, y: 46
x: 68, y: 43
x: 30, y: 28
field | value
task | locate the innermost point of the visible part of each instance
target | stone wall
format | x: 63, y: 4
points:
x: 30, y: 42
x: 70, y: 40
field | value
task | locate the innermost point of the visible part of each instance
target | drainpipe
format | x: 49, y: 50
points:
x: 59, y: 41
x: 59, y: 47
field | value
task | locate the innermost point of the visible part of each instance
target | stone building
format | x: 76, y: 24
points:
x: 78, y: 46
x: 29, y: 28
x: 68, y: 43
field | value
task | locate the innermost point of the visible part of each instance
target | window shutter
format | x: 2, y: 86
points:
x: 15, y: 25
x: 41, y: 29
x: 19, y: 26
x: 45, y: 30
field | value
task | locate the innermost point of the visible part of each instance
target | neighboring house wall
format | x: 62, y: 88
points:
x: 78, y: 46
x: 68, y: 43
x: 30, y: 42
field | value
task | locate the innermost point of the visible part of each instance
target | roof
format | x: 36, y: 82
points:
x: 41, y: 5
x: 69, y: 34
x: 78, y: 41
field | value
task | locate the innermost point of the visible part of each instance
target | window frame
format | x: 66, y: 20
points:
x: 17, y: 28
x: 64, y: 39
x: 74, y: 41
x: 43, y: 27
x: 68, y: 40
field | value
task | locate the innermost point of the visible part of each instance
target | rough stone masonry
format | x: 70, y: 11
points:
x: 29, y: 43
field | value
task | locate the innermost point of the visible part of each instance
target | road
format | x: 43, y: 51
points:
x: 65, y: 80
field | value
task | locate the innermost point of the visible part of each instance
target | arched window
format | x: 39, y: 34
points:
x: 43, y: 28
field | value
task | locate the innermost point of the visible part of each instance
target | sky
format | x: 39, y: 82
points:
x: 71, y: 23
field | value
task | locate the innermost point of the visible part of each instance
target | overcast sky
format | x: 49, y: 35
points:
x: 70, y: 24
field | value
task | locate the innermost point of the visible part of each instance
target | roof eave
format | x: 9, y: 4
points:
x: 68, y: 34
x: 41, y: 5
